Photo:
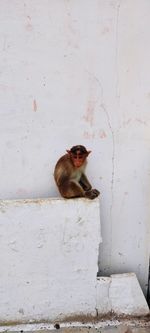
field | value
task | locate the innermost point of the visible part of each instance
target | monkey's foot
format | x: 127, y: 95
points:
x: 92, y: 194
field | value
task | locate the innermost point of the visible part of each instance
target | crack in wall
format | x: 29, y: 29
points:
x: 113, y: 157
x: 116, y: 49
x: 112, y: 178
x: 103, y: 107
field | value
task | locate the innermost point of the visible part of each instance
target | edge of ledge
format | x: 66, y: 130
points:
x: 48, y: 200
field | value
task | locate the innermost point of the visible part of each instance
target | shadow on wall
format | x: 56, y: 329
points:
x: 148, y: 290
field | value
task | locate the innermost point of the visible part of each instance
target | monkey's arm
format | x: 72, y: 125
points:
x: 89, y: 192
x: 85, y: 184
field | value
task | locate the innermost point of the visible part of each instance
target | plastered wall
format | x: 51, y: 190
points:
x: 77, y: 72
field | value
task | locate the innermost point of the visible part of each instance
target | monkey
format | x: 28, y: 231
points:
x: 69, y: 174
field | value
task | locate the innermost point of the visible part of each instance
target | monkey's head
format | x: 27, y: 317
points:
x: 78, y: 155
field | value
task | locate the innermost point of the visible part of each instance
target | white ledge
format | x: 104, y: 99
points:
x: 48, y: 254
x: 122, y: 295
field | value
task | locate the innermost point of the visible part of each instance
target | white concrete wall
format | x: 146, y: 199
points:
x: 48, y: 255
x: 49, y: 262
x: 77, y: 72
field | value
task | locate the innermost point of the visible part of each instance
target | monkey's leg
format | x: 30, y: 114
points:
x: 71, y: 189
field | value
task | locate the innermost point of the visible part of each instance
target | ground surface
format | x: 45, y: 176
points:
x: 108, y: 329
x: 113, y: 325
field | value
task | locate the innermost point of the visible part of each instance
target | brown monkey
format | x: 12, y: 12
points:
x: 70, y: 177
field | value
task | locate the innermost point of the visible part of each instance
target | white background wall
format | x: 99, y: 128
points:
x: 77, y: 72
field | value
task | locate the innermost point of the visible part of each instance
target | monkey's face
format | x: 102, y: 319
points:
x: 78, y: 155
x: 78, y: 159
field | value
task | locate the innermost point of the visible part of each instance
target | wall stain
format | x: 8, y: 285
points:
x: 102, y: 134
x: 89, y: 116
x: 105, y: 30
x: 29, y: 26
x: 6, y: 88
x: 87, y: 135
x: 131, y: 121
x: 34, y: 105
x: 142, y: 122
x: 13, y: 246
x: 127, y: 122
x: 21, y: 311
x: 21, y: 191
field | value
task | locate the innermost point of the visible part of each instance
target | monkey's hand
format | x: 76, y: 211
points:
x: 92, y: 194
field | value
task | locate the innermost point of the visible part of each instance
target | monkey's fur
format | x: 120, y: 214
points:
x: 70, y: 175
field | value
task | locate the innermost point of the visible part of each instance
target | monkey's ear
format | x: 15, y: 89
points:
x: 68, y: 151
x: 89, y: 152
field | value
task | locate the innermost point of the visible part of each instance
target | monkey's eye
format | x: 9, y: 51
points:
x: 77, y: 156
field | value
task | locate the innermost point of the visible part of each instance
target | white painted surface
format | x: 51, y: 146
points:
x: 126, y: 295
x: 48, y: 255
x: 77, y: 72
x: 121, y: 294
x: 103, y: 302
